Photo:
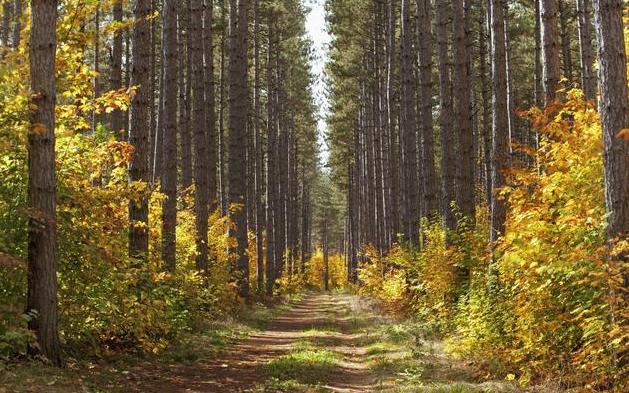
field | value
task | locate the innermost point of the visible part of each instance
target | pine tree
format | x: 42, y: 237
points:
x: 42, y: 229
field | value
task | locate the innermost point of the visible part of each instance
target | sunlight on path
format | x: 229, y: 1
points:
x: 324, y: 323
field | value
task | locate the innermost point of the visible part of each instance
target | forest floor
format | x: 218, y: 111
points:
x: 325, y: 342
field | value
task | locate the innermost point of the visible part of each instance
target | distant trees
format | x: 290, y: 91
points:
x: 464, y: 92
x: 588, y: 78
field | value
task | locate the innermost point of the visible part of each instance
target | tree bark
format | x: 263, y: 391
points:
x: 5, y: 26
x: 198, y: 129
x: 564, y: 16
x: 257, y: 129
x: 169, y: 173
x: 425, y: 99
x: 96, y: 81
x: 185, y: 94
x: 408, y: 128
x: 394, y: 200
x: 500, y: 125
x: 238, y: 109
x: 614, y: 110
x: 326, y: 256
x: 588, y: 78
x: 539, y: 90
x: 550, y: 48
x: 222, y: 182
x: 210, y: 102
x: 485, y: 86
x: 42, y: 226
x: 448, y: 151
x: 115, y: 80
x: 462, y: 112
x: 17, y: 26
x: 139, y: 129
x: 271, y: 165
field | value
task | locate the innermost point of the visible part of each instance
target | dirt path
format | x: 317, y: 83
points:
x: 328, y: 323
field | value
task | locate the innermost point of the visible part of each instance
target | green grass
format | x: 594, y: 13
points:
x: 274, y: 385
x: 257, y: 316
x: 208, y: 344
x: 308, y: 366
x: 35, y: 376
x: 321, y: 330
x: 109, y: 375
x: 303, y: 345
x: 381, y: 347
x: 449, y: 388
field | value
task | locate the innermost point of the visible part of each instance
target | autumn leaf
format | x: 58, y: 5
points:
x: 39, y: 128
x: 624, y: 133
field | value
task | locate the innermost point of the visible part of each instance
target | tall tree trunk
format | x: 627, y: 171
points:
x: 169, y: 173
x: 96, y: 81
x: 510, y: 84
x: 326, y: 256
x: 448, y: 151
x: 200, y: 136
x: 408, y: 127
x: 564, y: 16
x: 222, y: 186
x: 394, y: 201
x: 17, y: 26
x: 485, y: 86
x: 462, y: 112
x: 550, y: 48
x: 238, y: 109
x: 42, y: 229
x: 281, y: 162
x: 127, y: 79
x: 257, y: 129
x: 539, y: 90
x: 139, y: 129
x: 588, y: 78
x: 500, y: 125
x: 614, y: 111
x: 425, y: 99
x: 117, y: 116
x: 5, y: 26
x: 210, y: 101
x: 380, y: 129
x: 185, y: 94
x: 154, y: 134
x: 369, y: 161
x: 271, y: 165
x: 158, y: 159
x: 305, y: 214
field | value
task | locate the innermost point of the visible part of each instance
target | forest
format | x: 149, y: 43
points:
x: 398, y: 196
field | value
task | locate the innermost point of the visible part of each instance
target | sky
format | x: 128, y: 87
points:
x: 316, y: 28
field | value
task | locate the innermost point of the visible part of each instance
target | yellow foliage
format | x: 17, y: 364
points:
x: 315, y: 271
x: 551, y: 312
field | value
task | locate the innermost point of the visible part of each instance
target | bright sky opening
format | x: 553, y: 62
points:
x: 317, y: 31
